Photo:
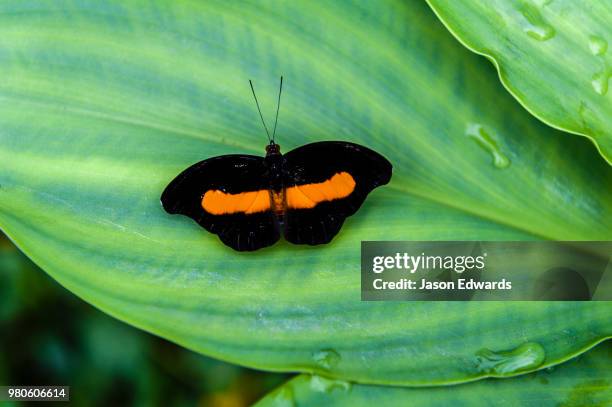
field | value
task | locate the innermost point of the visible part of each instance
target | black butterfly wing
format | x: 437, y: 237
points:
x: 227, y: 195
x: 326, y: 182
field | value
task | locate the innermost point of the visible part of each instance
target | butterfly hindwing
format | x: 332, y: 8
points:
x: 326, y: 182
x: 227, y: 195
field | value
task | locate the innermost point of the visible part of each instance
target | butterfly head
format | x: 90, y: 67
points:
x: 272, y: 149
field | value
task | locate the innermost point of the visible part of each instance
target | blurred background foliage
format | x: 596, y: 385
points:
x: 48, y: 336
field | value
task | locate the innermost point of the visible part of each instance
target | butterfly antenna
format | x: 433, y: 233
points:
x: 280, y: 90
x: 259, y: 110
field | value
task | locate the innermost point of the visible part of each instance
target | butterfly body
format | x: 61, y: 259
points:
x: 304, y: 195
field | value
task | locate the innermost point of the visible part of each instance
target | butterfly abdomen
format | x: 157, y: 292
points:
x: 278, y: 202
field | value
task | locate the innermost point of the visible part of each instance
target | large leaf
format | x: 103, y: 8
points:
x: 103, y: 103
x: 551, y: 55
x: 581, y: 382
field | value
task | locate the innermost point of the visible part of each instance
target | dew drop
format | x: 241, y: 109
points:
x: 323, y: 385
x: 326, y: 358
x: 284, y: 397
x: 597, y: 45
x: 600, y: 81
x: 527, y: 356
x: 478, y: 133
x: 535, y: 26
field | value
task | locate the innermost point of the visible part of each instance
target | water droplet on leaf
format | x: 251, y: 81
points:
x: 534, y: 25
x: 527, y: 356
x: 326, y: 358
x: 597, y: 45
x: 600, y: 81
x: 478, y: 133
x: 323, y: 385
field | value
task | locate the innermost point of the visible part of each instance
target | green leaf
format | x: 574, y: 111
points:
x: 103, y: 103
x: 552, y: 56
x: 584, y: 381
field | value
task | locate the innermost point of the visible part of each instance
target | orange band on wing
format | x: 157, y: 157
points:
x: 218, y: 202
x: 306, y: 196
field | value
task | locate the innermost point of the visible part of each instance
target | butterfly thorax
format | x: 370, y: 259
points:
x: 274, y: 167
x: 274, y: 164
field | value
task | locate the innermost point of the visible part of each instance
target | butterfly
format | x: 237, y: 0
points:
x: 305, y: 194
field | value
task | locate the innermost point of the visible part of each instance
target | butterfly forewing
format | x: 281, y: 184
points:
x: 228, y: 196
